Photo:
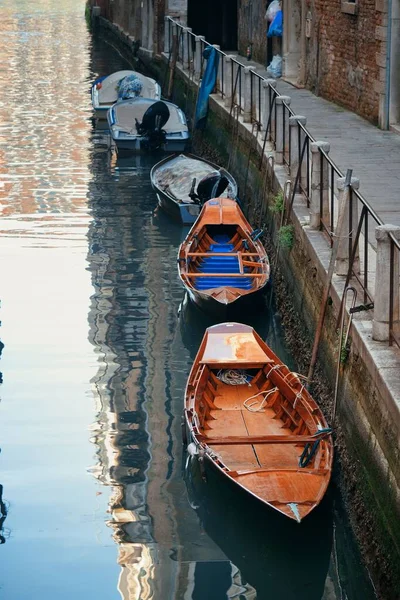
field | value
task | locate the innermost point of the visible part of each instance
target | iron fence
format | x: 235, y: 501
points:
x: 254, y: 98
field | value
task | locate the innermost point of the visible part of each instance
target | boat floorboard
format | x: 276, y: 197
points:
x: 233, y: 419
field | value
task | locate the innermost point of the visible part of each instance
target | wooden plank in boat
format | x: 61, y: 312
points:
x: 261, y: 439
x: 232, y: 397
x: 271, y: 455
x: 320, y: 472
x: 226, y: 421
x: 222, y: 254
x: 234, y: 348
x: 224, y: 275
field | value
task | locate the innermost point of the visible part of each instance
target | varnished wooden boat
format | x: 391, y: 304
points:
x: 221, y: 263
x: 266, y: 433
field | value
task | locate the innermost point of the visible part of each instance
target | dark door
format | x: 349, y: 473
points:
x: 216, y: 20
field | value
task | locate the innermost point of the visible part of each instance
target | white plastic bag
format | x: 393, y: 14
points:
x: 274, y: 68
x: 272, y: 9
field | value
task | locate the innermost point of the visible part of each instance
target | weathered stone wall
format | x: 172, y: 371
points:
x: 341, y: 55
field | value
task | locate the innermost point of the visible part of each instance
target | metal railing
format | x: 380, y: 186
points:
x: 312, y: 172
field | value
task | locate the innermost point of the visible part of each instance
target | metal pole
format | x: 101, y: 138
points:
x: 341, y: 345
x: 325, y: 295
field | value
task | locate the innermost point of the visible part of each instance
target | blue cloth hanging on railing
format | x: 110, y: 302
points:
x: 207, y: 86
x: 275, y: 29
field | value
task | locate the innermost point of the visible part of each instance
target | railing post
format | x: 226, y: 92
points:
x: 380, y: 323
x: 279, y: 149
x: 343, y: 258
x: 247, y: 96
x: 218, y: 80
x: 186, y: 50
x: 265, y: 106
x: 295, y: 147
x: 198, y: 55
x: 228, y: 83
x: 319, y: 184
x: 167, y: 48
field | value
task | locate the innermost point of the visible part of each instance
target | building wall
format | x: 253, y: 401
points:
x: 340, y: 62
x: 252, y: 27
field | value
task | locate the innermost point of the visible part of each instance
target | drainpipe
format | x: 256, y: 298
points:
x: 388, y: 61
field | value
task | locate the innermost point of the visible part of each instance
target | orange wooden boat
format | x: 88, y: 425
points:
x: 221, y: 263
x: 250, y: 417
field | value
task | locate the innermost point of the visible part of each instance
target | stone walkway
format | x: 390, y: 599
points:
x: 373, y: 154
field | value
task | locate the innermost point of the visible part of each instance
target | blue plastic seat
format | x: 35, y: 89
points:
x: 221, y: 264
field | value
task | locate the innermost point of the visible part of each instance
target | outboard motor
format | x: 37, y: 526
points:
x: 151, y: 127
x: 212, y: 186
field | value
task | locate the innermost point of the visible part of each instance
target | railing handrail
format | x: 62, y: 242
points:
x: 293, y: 149
x: 360, y: 197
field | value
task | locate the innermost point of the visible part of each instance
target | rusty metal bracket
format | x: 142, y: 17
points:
x: 361, y: 308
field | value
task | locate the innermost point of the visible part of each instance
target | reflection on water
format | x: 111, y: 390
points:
x: 3, y: 514
x: 86, y: 249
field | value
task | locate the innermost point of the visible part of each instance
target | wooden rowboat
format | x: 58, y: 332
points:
x: 221, y: 263
x: 251, y: 418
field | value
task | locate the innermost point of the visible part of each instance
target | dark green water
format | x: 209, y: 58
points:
x: 95, y: 499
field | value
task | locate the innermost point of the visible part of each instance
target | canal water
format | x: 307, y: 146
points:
x: 97, y: 498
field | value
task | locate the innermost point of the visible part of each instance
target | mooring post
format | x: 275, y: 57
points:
x: 228, y: 83
x: 167, y: 41
x: 295, y: 148
x: 319, y: 185
x: 349, y: 230
x: 281, y: 126
x: 265, y: 103
x: 198, y: 55
x: 246, y: 92
x: 380, y: 323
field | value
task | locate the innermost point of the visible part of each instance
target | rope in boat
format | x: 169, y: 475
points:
x: 251, y: 407
x: 233, y: 377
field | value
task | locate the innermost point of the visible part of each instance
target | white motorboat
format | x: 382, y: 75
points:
x: 143, y: 124
x: 107, y: 90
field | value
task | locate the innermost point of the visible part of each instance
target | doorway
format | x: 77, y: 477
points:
x: 217, y: 20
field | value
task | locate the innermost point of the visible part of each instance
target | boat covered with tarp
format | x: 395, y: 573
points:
x: 184, y: 182
x: 122, y: 85
x: 251, y: 418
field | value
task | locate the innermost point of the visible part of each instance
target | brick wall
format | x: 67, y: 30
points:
x: 341, y: 55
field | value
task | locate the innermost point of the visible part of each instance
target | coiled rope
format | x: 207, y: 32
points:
x: 233, y: 377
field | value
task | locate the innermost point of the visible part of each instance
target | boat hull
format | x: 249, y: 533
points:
x: 134, y: 144
x: 209, y: 470
x: 184, y: 213
x: 218, y: 310
x: 101, y: 113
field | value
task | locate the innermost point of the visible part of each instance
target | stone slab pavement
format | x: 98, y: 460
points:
x: 373, y: 154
